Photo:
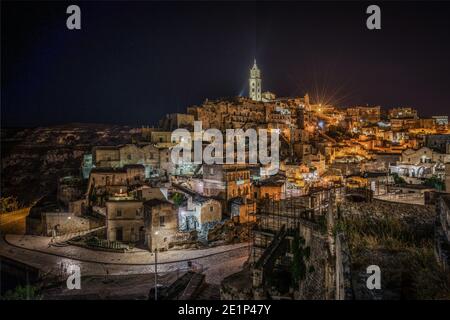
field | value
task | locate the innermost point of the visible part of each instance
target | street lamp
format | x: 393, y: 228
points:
x: 156, y: 267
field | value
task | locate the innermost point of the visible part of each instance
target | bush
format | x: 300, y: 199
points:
x: 22, y: 293
x: 9, y: 204
x: 178, y: 199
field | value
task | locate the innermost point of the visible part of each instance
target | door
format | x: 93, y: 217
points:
x: 141, y: 234
x: 119, y: 234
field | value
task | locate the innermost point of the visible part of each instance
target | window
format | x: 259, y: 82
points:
x: 211, y: 208
x: 211, y: 170
x: 160, y: 139
x: 162, y: 221
x: 119, y: 212
x: 129, y: 157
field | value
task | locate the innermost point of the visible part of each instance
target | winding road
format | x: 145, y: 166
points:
x: 36, y: 251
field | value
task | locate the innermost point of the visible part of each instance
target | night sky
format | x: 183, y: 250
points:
x: 133, y: 62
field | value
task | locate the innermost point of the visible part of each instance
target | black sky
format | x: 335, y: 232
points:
x: 133, y: 62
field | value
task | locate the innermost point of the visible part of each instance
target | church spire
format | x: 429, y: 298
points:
x: 255, y: 83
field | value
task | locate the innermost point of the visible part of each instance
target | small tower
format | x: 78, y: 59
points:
x: 254, y: 88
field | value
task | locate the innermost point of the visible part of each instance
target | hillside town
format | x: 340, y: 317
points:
x: 356, y: 186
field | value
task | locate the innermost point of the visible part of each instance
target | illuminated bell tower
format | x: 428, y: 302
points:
x: 254, y: 82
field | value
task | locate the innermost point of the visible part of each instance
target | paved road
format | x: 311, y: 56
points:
x: 216, y: 262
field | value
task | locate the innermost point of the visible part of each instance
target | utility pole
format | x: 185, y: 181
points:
x: 156, y: 267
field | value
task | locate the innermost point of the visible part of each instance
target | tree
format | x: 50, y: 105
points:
x: 398, y: 179
x: 435, y: 182
x: 178, y: 199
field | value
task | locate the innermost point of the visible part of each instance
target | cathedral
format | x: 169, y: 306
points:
x: 255, y: 83
x: 254, y: 86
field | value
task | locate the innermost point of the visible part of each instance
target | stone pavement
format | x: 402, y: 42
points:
x: 36, y: 251
x: 135, y: 257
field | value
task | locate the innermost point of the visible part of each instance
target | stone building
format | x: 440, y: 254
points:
x: 161, y: 138
x: 244, y: 113
x: 48, y: 218
x: 199, y: 213
x: 254, y: 83
x: 177, y: 120
x: 273, y: 187
x: 438, y: 142
x: 69, y: 189
x: 378, y: 182
x: 364, y: 114
x: 227, y: 181
x: 167, y: 167
x: 402, y: 124
x: 124, y: 220
x: 107, y: 181
x: 145, y: 193
x: 161, y: 224
x: 402, y: 113
x: 268, y: 96
x: 421, y: 163
x: 130, y: 174
x: 441, y: 122
x: 129, y: 154
x: 242, y: 209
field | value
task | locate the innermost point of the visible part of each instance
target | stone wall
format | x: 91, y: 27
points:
x: 65, y: 222
x: 14, y: 222
x: 344, y: 289
x: 316, y: 286
x: 413, y: 213
x: 447, y: 177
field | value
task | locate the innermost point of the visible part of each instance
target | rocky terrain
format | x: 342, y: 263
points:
x: 34, y: 158
x: 399, y: 238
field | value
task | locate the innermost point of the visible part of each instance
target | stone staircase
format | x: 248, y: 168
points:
x: 61, y: 241
x: 209, y: 292
x: 193, y: 287
x: 186, y: 287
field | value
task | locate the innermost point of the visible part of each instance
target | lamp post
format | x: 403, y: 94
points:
x: 156, y: 267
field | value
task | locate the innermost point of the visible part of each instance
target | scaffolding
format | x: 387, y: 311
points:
x: 282, y: 212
